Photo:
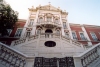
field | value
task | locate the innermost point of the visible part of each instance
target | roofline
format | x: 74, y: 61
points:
x: 24, y: 20
x: 85, y: 25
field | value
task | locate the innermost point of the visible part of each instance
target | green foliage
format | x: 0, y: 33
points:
x: 8, y: 18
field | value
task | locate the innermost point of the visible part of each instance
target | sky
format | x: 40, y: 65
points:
x: 79, y: 11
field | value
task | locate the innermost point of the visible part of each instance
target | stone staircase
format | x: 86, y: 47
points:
x: 10, y: 57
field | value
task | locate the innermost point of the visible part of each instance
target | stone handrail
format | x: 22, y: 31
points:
x: 19, y: 41
x: 88, y: 57
x: 45, y: 35
x: 76, y: 43
x: 50, y: 22
x: 32, y: 37
x: 49, y: 35
x: 11, y: 57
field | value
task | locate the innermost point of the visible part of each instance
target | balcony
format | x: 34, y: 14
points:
x: 49, y: 24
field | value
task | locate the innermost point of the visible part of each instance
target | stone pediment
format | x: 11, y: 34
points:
x: 49, y: 7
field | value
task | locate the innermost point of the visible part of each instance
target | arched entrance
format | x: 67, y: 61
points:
x: 48, y: 31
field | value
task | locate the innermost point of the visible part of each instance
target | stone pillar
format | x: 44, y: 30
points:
x: 35, y: 22
x: 62, y: 29
x: 77, y: 62
x: 86, y: 35
x: 70, y: 32
x: 30, y: 62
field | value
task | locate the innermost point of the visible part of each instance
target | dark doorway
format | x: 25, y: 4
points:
x: 48, y: 31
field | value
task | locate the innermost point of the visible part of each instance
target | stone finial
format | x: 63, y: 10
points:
x: 33, y: 7
x: 49, y: 3
x: 40, y: 5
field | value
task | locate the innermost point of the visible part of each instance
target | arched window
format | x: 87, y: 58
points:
x: 66, y: 34
x: 48, y: 33
x: 39, y: 31
x: 31, y: 22
x: 28, y: 33
x: 58, y: 32
x: 49, y: 19
x: 64, y: 24
x: 40, y: 19
x: 56, y: 20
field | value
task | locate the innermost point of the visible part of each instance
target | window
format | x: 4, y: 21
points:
x: 50, y: 43
x: 39, y: 31
x: 28, y: 33
x: 31, y: 22
x: 58, y: 32
x: 56, y: 20
x: 64, y: 24
x: 82, y: 36
x: 66, y: 34
x: 40, y: 19
x: 49, y: 19
x: 9, y: 31
x: 74, y: 35
x: 18, y: 33
x: 94, y: 37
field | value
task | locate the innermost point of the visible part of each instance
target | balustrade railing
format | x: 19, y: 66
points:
x: 33, y: 37
x: 50, y: 22
x: 10, y: 57
x: 45, y: 35
x: 19, y: 41
x: 76, y: 43
x: 88, y: 57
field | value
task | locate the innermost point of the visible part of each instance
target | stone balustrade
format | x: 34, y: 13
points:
x: 32, y: 37
x: 49, y: 22
x: 45, y: 35
x: 88, y: 57
x: 76, y: 43
x: 19, y: 41
x: 10, y: 57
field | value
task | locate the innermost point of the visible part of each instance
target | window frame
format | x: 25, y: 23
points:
x: 31, y: 21
x: 83, y: 36
x: 28, y: 33
x: 49, y: 19
x: 40, y: 19
x: 16, y: 32
x: 10, y: 32
x: 38, y: 31
x: 75, y: 35
x: 95, y: 39
x: 64, y: 25
x: 67, y: 34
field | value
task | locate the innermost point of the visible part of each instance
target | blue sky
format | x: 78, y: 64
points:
x: 80, y: 11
